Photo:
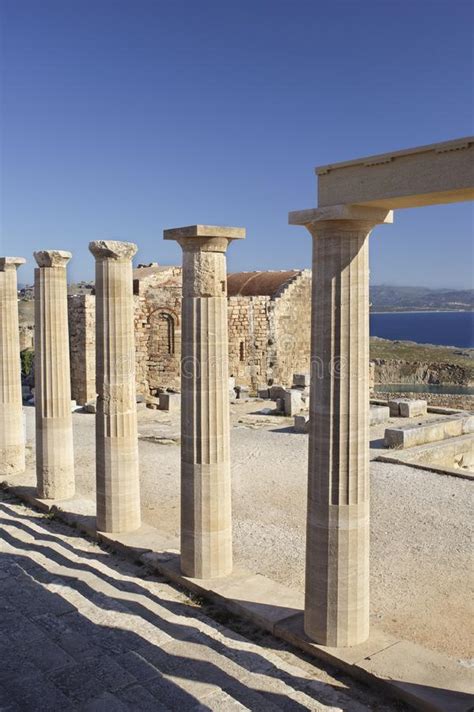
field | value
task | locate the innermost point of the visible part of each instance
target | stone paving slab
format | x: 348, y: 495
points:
x: 83, y: 629
x: 422, y: 692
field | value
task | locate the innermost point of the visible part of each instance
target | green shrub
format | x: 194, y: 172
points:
x: 27, y: 357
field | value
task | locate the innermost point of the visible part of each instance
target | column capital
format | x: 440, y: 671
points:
x: 10, y: 263
x: 52, y: 258
x: 366, y: 215
x: 112, y: 250
x: 205, y: 238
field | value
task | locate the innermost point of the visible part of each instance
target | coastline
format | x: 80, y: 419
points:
x: 424, y: 311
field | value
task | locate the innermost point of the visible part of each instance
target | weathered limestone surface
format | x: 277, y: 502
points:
x: 425, y: 175
x: 407, y: 408
x: 206, y: 521
x: 413, y: 408
x: 268, y: 331
x: 117, y: 475
x: 301, y: 423
x: 337, y: 546
x: 432, y: 431
x: 54, y: 439
x: 378, y: 414
x: 12, y: 438
x: 170, y: 401
x: 81, y: 311
x: 292, y: 402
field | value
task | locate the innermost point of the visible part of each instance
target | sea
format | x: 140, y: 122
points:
x: 443, y: 328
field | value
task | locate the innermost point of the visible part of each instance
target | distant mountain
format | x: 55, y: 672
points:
x: 389, y: 298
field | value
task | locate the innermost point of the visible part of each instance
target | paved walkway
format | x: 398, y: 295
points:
x: 83, y: 629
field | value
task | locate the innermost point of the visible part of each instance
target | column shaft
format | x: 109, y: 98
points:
x: 337, y: 534
x: 12, y: 438
x: 54, y: 439
x: 337, y: 554
x: 206, y: 516
x: 206, y: 519
x: 117, y: 473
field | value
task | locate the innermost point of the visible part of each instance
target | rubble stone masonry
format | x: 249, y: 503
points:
x: 269, y: 334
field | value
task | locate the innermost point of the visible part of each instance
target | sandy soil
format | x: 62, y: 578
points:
x: 421, y: 539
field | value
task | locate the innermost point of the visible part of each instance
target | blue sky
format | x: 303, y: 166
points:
x: 119, y: 119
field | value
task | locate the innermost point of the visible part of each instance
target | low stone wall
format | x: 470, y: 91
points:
x: 461, y: 402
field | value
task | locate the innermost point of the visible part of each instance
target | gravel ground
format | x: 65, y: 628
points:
x: 421, y: 538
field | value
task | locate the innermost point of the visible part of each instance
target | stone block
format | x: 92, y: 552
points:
x: 170, y: 401
x: 433, y: 431
x: 277, y: 392
x: 152, y: 402
x: 90, y: 407
x: 394, y: 406
x: 413, y: 408
x: 301, y: 423
x: 378, y: 414
x: 301, y: 380
x: 292, y: 402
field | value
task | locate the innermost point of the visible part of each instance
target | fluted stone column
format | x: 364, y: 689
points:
x: 206, y: 518
x: 117, y: 474
x: 54, y: 442
x: 337, y: 544
x: 12, y: 437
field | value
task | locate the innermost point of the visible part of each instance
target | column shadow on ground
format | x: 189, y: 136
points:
x: 53, y: 657
x: 116, y: 642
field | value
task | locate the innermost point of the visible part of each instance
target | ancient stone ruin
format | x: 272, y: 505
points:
x: 268, y: 329
x: 196, y: 320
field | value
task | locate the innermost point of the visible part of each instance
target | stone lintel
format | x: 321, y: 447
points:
x: 207, y: 231
x: 424, y: 175
x: 52, y: 258
x: 456, y: 144
x: 112, y: 249
x: 359, y: 213
x: 11, y: 263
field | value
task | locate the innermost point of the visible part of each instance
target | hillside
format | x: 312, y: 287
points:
x: 391, y: 298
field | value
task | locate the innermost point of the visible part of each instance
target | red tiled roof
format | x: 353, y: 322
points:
x: 254, y: 284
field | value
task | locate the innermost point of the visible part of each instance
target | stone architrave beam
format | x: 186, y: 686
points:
x: 426, y: 175
x: 54, y: 439
x: 12, y: 437
x: 117, y: 473
x: 206, y: 518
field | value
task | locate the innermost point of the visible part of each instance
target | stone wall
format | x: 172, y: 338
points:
x: 248, y: 326
x: 141, y: 344
x: 158, y: 329
x: 290, y: 330
x: 81, y: 314
x: 269, y: 336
